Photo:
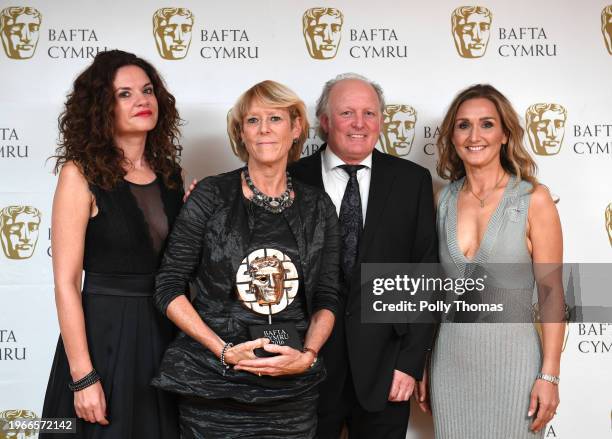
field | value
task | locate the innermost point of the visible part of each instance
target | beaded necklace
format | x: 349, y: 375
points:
x: 271, y: 204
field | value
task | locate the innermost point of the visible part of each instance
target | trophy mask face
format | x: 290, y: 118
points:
x: 322, y: 32
x: 546, y: 131
x: 471, y: 31
x: 173, y: 33
x: 267, y: 280
x: 398, y: 130
x: 20, y: 35
x: 19, y: 234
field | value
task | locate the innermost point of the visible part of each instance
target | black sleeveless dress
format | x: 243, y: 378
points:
x: 126, y: 335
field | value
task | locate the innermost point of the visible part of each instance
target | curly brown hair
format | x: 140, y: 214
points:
x: 86, y: 125
x: 514, y: 156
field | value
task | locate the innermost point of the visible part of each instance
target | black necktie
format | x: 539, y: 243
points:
x: 351, y: 220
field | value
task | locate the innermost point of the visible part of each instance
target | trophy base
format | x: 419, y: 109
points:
x: 282, y: 334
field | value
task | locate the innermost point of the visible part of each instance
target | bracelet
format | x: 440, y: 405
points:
x: 226, y: 346
x: 88, y: 380
x: 315, y: 353
x: 550, y: 378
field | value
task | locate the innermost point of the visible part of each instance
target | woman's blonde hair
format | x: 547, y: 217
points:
x: 275, y: 95
x: 514, y: 157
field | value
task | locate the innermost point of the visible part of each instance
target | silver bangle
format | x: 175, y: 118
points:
x: 550, y: 378
x: 225, y: 348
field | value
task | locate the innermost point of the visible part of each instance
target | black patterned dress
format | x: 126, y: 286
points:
x: 126, y: 335
x: 213, y: 234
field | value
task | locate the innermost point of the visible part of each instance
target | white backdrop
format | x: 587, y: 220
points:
x: 551, y: 51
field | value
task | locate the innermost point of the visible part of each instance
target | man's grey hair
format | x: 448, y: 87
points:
x: 323, y: 101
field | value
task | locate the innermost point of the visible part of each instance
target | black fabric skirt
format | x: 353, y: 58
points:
x: 294, y: 418
x: 126, y: 337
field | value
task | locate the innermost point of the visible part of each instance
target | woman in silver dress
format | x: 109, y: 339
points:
x: 494, y: 380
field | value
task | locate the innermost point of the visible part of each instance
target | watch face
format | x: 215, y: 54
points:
x: 267, y: 281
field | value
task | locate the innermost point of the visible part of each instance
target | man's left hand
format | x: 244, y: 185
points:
x: 190, y: 190
x: 401, y: 387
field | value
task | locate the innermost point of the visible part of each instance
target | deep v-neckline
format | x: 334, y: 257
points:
x: 487, y: 241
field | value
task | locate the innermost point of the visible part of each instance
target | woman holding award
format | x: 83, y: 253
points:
x: 263, y: 254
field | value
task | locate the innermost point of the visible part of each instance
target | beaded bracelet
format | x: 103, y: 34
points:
x: 225, y: 348
x: 88, y: 380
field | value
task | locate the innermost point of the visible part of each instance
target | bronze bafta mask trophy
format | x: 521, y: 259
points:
x: 267, y: 282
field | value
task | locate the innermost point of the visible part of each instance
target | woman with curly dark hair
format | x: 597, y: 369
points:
x: 118, y: 193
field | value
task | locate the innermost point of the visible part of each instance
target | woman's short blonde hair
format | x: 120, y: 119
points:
x: 275, y: 95
x: 514, y: 156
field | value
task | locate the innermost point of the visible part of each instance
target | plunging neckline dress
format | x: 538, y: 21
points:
x: 482, y: 373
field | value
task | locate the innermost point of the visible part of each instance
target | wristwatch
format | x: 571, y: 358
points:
x: 550, y: 378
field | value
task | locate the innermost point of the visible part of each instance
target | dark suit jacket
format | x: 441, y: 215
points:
x: 399, y: 227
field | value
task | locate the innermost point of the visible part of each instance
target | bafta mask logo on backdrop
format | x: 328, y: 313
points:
x: 545, y: 124
x: 19, y: 231
x: 606, y: 27
x: 471, y: 28
x: 397, y: 135
x: 322, y: 29
x: 7, y: 416
x: 20, y: 29
x: 608, y: 216
x: 172, y: 29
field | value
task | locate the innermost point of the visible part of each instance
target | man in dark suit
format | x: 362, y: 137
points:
x: 386, y: 211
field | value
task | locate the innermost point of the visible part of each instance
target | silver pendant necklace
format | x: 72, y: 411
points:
x: 483, y: 199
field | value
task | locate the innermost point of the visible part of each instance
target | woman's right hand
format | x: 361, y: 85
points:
x: 90, y: 404
x: 244, y: 351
